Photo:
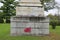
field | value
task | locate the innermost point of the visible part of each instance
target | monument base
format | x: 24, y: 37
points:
x: 29, y: 25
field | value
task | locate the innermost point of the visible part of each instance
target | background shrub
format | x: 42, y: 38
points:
x: 7, y: 20
x: 1, y: 20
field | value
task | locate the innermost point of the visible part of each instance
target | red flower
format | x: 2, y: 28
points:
x: 27, y: 29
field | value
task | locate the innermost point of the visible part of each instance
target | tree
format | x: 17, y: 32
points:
x: 48, y: 4
x: 53, y: 20
x: 8, y: 7
x: 1, y: 17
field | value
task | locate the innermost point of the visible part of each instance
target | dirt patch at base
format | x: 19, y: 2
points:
x: 54, y: 36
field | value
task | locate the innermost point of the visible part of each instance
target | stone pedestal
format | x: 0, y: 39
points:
x: 29, y: 19
x: 30, y: 7
x: 39, y: 25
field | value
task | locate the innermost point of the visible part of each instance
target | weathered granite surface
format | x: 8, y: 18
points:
x: 38, y: 26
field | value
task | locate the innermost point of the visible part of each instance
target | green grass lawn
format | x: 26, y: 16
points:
x: 5, y: 34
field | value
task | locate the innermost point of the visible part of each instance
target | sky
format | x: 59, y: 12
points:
x: 52, y: 11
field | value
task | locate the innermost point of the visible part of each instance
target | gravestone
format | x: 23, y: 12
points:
x: 29, y: 19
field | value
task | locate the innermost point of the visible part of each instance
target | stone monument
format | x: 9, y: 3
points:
x: 29, y: 19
